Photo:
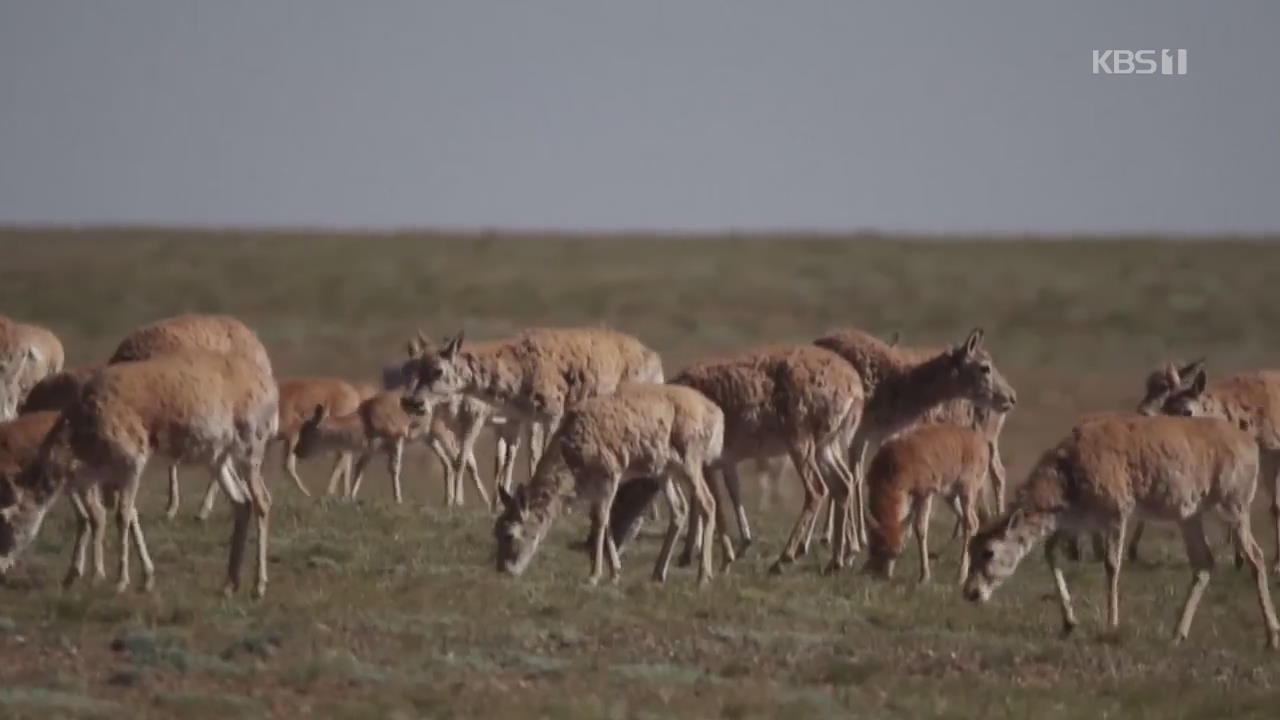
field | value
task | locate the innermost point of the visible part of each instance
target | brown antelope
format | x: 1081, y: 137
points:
x: 532, y: 379
x: 180, y: 333
x: 1251, y: 399
x: 1111, y: 469
x: 217, y: 409
x: 907, y: 473
x: 639, y: 431
x: 20, y: 442
x: 379, y: 424
x: 902, y: 387
x: 802, y: 401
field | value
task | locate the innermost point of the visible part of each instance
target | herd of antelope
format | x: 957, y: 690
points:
x: 875, y: 432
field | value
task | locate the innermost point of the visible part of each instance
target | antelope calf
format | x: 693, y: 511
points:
x: 1249, y: 399
x: 802, y: 401
x: 938, y: 460
x: 532, y: 379
x: 216, y: 409
x: 640, y: 431
x: 379, y: 424
x: 1111, y: 469
x: 903, y: 386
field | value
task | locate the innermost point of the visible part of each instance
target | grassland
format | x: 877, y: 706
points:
x: 379, y: 610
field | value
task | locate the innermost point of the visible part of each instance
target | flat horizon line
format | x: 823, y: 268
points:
x: 728, y: 233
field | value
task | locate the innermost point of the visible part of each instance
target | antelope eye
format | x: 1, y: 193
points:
x: 988, y: 554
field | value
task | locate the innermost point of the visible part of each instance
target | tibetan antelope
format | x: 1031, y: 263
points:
x: 1250, y: 399
x: 28, y: 354
x: 216, y: 409
x: 455, y: 427
x: 533, y: 378
x: 180, y: 333
x: 378, y: 424
x: 946, y: 461
x: 902, y: 387
x: 639, y: 431
x: 1111, y: 469
x: 802, y: 401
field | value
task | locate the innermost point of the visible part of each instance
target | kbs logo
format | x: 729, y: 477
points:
x: 1140, y: 62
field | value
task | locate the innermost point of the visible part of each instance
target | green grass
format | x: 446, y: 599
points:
x: 395, y: 611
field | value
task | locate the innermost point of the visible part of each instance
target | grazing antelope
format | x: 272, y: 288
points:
x: 802, y: 401
x: 20, y: 442
x: 903, y: 386
x: 531, y: 379
x: 180, y: 333
x: 212, y: 408
x: 1116, y: 467
x: 378, y: 424
x: 1251, y: 399
x: 907, y: 473
x: 639, y: 431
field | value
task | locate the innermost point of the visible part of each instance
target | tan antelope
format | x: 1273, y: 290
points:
x: 379, y: 425
x: 456, y: 425
x: 43, y: 351
x: 21, y: 440
x: 28, y: 353
x: 1251, y: 399
x: 800, y: 401
x: 946, y: 461
x: 12, y: 370
x: 903, y: 386
x: 193, y: 331
x: 212, y: 408
x: 1114, y: 468
x: 638, y: 431
x: 531, y: 379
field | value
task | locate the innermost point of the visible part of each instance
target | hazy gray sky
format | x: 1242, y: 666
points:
x: 954, y: 115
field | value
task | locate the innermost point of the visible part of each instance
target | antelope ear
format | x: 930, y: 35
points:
x: 453, y: 346
x: 974, y: 341
x: 1194, y: 366
x: 895, y: 338
x: 413, y: 348
x: 1198, y: 384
